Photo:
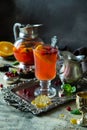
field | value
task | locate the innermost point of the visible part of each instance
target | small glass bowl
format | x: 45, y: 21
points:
x: 11, y: 80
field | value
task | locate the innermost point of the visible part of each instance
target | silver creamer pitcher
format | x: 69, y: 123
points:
x: 70, y: 68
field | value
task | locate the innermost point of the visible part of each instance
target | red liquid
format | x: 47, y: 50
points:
x: 45, y: 62
x: 24, y: 54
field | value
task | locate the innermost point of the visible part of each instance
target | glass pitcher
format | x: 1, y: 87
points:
x: 26, y: 37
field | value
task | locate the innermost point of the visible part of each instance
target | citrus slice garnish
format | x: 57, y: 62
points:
x: 41, y: 52
x: 6, y: 48
x: 39, y: 47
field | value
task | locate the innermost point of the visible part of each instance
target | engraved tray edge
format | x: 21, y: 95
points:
x: 19, y: 103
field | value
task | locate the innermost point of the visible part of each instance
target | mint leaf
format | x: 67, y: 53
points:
x: 76, y: 112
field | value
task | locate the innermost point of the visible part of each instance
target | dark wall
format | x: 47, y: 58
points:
x: 67, y: 19
x: 7, y: 18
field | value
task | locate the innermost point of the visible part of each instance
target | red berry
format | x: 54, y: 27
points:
x: 28, y: 94
x: 11, y: 74
x: 68, y: 108
x: 57, y: 82
x: 1, y: 85
x: 48, y: 48
x: 25, y: 91
x: 20, y: 70
x: 43, y: 52
x: 53, y: 51
x: 62, y: 95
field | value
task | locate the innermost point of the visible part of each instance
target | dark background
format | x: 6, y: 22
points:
x: 67, y: 19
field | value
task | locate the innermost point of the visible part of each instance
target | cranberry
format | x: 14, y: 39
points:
x: 53, y: 51
x: 20, y: 70
x: 43, y: 52
x: 25, y: 91
x: 57, y: 82
x: 1, y: 85
x: 68, y: 108
x: 62, y: 95
x: 28, y: 94
x: 47, y: 48
x: 11, y: 74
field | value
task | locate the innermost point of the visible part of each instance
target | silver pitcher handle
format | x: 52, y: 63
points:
x: 15, y: 27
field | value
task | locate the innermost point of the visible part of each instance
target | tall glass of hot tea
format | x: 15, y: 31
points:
x: 45, y: 58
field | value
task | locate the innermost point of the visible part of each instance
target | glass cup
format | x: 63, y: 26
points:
x: 81, y: 102
x: 45, y: 59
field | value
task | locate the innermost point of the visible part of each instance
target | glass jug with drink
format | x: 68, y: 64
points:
x: 26, y: 37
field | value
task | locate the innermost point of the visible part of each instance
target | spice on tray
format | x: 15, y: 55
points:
x: 41, y: 101
x: 62, y: 115
x: 73, y: 121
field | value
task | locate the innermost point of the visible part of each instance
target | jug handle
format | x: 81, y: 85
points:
x: 15, y: 27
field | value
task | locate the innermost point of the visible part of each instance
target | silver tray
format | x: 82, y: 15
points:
x: 23, y: 102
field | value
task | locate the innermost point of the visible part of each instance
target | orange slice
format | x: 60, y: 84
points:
x: 39, y: 47
x: 42, y: 53
x: 6, y: 48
